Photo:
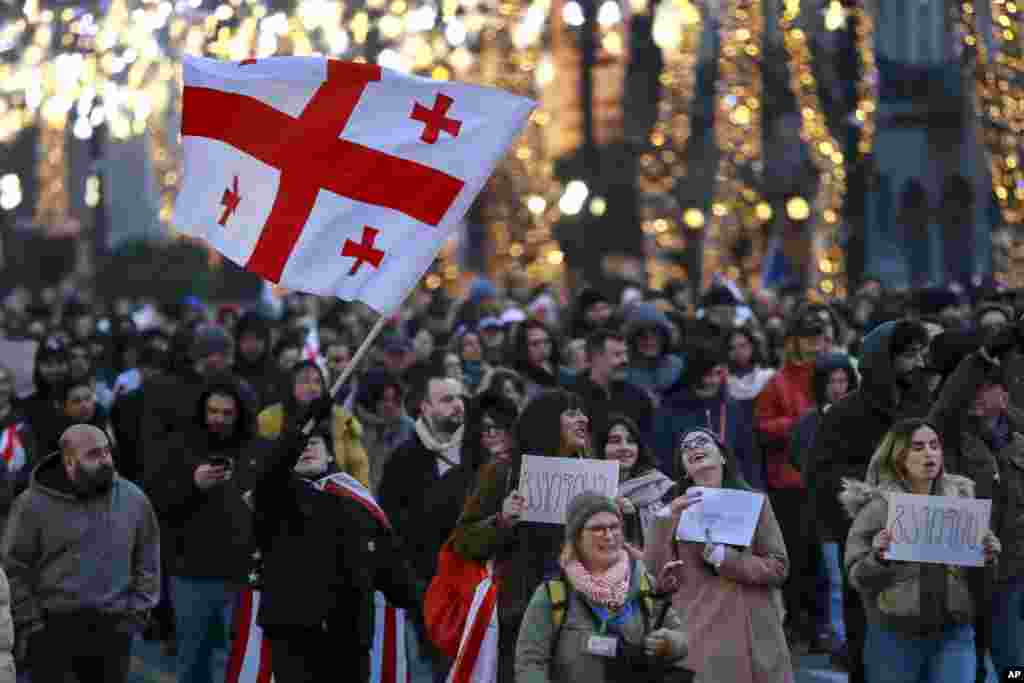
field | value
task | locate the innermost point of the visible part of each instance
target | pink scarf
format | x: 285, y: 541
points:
x: 609, y: 588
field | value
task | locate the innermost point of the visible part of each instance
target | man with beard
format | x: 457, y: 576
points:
x: 170, y: 400
x: 198, y: 492
x: 82, y: 554
x: 605, y: 390
x: 416, y: 467
x: 892, y: 388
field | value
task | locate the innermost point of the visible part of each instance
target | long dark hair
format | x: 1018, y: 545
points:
x: 291, y: 406
x: 500, y: 409
x: 644, y: 459
x: 539, y: 429
x: 732, y: 478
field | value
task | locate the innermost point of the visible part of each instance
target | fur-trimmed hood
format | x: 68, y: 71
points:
x: 882, y: 478
x: 855, y: 495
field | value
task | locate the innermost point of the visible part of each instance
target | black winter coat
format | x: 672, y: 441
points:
x: 851, y: 430
x: 405, y: 494
x: 324, y: 555
x: 208, y: 533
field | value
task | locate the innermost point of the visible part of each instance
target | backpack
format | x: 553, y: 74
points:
x: 449, y: 598
x: 633, y: 665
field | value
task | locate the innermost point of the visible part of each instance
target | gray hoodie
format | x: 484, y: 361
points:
x: 67, y: 554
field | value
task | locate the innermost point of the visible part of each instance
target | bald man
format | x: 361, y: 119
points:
x: 81, y: 550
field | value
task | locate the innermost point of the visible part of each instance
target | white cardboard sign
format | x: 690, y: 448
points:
x: 728, y: 516
x: 939, y: 529
x: 548, y: 484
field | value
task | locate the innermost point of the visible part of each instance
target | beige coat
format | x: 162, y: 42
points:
x: 733, y: 616
x: 892, y: 593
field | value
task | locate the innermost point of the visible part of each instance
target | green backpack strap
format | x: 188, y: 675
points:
x: 646, y: 595
x: 559, y: 601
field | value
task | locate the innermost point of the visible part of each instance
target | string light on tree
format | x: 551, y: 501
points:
x: 827, y: 156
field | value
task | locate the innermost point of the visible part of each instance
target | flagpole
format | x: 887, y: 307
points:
x: 363, y: 349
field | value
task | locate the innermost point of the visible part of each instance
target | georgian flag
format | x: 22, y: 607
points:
x: 335, y: 178
x: 12, y: 449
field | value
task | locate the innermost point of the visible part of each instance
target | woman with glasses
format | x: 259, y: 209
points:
x: 525, y: 553
x: 605, y: 633
x: 730, y: 595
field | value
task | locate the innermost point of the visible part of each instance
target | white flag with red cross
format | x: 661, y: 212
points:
x: 335, y: 178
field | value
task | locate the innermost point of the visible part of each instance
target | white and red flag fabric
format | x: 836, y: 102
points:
x: 335, y: 178
x: 12, y: 448
x: 477, y: 661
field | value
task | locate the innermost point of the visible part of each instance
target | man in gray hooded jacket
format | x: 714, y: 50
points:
x: 82, y: 554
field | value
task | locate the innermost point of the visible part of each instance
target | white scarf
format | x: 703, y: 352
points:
x: 449, y: 452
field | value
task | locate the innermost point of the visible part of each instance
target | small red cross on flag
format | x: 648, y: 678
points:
x: 318, y: 151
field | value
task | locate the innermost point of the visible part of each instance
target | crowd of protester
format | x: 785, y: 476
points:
x: 155, y: 463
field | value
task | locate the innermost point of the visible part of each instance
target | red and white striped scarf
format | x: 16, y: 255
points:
x: 250, y: 657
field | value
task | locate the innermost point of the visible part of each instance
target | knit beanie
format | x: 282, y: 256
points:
x: 583, y: 507
x: 210, y: 339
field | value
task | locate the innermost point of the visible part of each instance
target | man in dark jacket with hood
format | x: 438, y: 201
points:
x: 254, y: 362
x: 652, y: 365
x: 198, y: 490
x: 171, y: 399
x: 702, y: 400
x: 892, y: 388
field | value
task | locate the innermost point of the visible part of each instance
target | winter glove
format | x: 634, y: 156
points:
x: 665, y: 643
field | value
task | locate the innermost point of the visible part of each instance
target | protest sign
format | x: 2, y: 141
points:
x: 939, y: 529
x: 548, y: 484
x: 726, y: 515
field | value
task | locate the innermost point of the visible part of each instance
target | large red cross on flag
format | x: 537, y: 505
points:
x: 331, y: 177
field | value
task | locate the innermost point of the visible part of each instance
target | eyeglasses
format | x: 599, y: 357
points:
x: 573, y: 413
x: 604, y: 529
x: 695, y: 443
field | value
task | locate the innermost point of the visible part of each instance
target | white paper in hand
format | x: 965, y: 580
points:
x: 728, y: 516
x: 939, y: 529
